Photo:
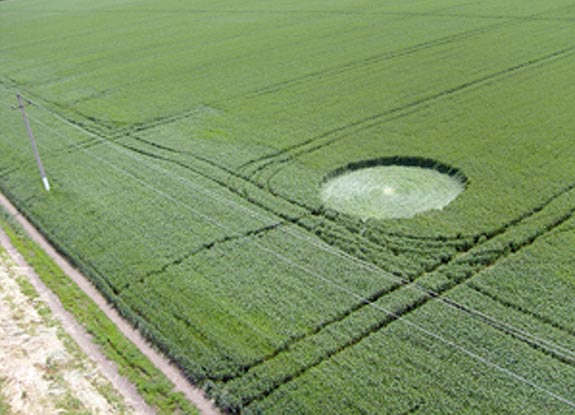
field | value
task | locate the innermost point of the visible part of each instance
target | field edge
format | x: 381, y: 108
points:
x: 152, y: 384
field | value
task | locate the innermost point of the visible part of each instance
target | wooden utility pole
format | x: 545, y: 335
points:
x: 33, y: 142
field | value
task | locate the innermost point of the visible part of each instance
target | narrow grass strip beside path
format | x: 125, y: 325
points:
x: 78, y: 333
x: 160, y: 383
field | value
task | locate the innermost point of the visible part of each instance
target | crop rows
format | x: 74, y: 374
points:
x: 189, y: 193
x: 401, y: 299
x: 361, y: 320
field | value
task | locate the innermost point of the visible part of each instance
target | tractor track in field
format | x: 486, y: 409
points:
x: 426, y: 296
x: 246, y: 194
x: 361, y: 305
x: 206, y: 164
x: 509, y: 304
x: 256, y: 196
x: 390, y: 318
x: 371, y: 60
x: 492, y: 255
x: 181, y: 383
x: 375, y: 59
x: 294, y: 220
x: 346, y: 68
x: 328, y: 138
x: 143, y: 126
x: 202, y: 248
x: 336, y: 70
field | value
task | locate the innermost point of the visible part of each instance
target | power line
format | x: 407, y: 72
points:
x: 344, y: 255
x: 313, y: 273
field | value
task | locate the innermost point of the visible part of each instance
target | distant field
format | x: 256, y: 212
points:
x: 188, y: 143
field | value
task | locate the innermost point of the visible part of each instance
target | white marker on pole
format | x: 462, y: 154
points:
x: 33, y: 142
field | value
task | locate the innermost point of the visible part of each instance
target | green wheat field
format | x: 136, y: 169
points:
x: 188, y: 145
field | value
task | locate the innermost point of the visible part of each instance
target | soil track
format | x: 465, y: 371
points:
x: 193, y: 394
x: 41, y: 373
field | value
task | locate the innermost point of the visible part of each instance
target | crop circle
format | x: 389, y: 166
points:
x: 392, y: 188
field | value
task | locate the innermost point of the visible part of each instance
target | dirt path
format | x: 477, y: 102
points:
x: 41, y: 370
x: 193, y: 394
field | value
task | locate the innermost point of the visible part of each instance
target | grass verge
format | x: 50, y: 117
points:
x: 4, y: 407
x: 154, y: 387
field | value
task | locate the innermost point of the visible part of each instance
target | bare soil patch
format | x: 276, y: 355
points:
x: 41, y: 369
x: 128, y: 391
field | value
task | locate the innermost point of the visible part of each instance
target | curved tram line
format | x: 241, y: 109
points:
x: 492, y: 365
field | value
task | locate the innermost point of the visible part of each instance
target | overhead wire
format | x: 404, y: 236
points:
x: 329, y: 249
x: 308, y: 271
x: 217, y: 223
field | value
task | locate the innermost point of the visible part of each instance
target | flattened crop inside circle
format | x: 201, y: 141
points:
x: 392, y: 188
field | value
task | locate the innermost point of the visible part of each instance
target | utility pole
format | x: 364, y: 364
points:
x: 33, y: 142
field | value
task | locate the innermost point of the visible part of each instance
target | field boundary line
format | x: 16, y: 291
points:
x: 398, y: 317
x: 297, y: 234
x: 308, y: 146
x: 181, y: 383
x: 337, y: 286
x: 75, y: 330
x: 401, y: 316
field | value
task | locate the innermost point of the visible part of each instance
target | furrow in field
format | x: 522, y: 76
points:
x: 511, y: 305
x: 372, y: 60
x: 365, y: 320
x: 372, y: 326
x: 205, y: 246
x: 307, y: 220
x: 332, y: 136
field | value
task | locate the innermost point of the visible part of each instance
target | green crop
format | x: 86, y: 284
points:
x: 187, y: 143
